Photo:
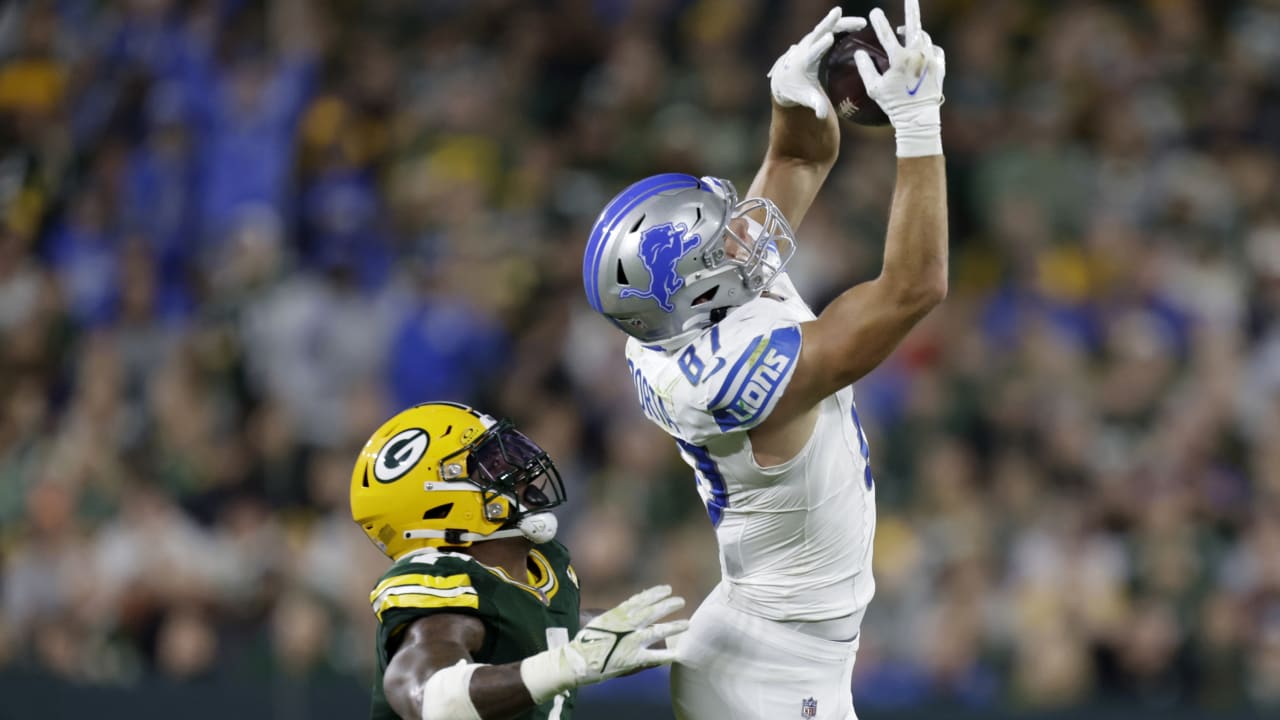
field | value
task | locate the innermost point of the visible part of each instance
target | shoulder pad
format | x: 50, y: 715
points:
x: 436, y: 582
x: 728, y: 379
x: 756, y: 378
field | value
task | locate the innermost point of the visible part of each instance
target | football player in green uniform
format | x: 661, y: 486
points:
x: 478, y: 616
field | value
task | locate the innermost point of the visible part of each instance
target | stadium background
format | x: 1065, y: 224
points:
x: 235, y: 236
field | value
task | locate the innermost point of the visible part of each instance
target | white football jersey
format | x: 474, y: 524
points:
x: 795, y: 539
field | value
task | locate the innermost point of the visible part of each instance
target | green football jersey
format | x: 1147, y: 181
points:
x: 521, y: 616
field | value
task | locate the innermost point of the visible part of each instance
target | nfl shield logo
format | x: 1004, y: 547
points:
x: 809, y: 708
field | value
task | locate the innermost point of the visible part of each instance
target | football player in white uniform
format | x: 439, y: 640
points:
x: 755, y: 389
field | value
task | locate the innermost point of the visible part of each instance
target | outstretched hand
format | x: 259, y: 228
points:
x: 910, y: 91
x: 616, y: 642
x: 793, y: 80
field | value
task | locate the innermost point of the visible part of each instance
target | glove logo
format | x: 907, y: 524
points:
x: 913, y: 90
x: 661, y: 248
x: 401, y: 453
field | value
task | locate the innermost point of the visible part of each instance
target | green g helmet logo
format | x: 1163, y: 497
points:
x: 400, y: 455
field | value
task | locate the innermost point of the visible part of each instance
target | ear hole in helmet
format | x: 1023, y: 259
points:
x: 438, y: 512
x: 638, y: 223
x: 705, y: 297
x: 622, y: 275
x: 365, y: 480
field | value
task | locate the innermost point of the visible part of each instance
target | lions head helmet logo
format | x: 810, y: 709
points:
x: 661, y: 248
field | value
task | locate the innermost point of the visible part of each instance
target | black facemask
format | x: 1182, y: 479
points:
x: 503, y: 461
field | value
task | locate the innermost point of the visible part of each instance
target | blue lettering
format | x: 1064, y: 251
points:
x: 654, y: 407
x: 691, y: 365
x: 867, y: 479
x: 760, y: 386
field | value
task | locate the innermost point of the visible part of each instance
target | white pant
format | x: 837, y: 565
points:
x: 736, y: 666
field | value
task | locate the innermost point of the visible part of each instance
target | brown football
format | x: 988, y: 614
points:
x: 839, y: 76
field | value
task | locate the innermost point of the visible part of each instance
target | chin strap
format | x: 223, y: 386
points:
x: 538, y: 528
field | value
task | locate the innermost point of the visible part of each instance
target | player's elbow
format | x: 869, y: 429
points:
x: 398, y: 687
x: 917, y: 294
x: 404, y: 682
x: 933, y: 289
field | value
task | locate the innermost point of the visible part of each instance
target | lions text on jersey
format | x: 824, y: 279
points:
x: 795, y: 539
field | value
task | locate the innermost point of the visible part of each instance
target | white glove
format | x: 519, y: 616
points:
x: 614, y: 643
x: 794, y: 76
x: 910, y: 91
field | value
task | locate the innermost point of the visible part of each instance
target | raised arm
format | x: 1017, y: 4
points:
x: 804, y: 134
x: 864, y: 324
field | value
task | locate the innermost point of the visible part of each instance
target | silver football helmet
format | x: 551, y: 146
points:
x: 663, y: 261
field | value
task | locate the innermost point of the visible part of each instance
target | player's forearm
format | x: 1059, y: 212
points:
x: 796, y: 134
x: 915, y: 251
x: 497, y: 692
x: 425, y: 681
x: 432, y: 676
x: 802, y: 150
x: 914, y: 277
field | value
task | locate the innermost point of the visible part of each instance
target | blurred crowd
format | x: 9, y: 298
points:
x: 237, y: 235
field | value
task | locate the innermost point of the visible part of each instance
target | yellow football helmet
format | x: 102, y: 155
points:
x: 443, y: 474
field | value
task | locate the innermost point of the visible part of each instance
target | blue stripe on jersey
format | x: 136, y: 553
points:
x: 729, y: 379
x: 613, y: 213
x: 866, y: 449
x: 769, y: 366
x: 707, y: 470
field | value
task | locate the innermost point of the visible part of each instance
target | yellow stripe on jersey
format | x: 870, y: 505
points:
x: 573, y: 575
x: 420, y: 590
x: 417, y: 600
x: 437, y: 582
x: 502, y: 575
x: 548, y: 584
x: 537, y: 574
x: 545, y: 590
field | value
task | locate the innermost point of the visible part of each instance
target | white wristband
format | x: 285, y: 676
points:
x: 447, y: 694
x: 920, y: 133
x: 550, y: 673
